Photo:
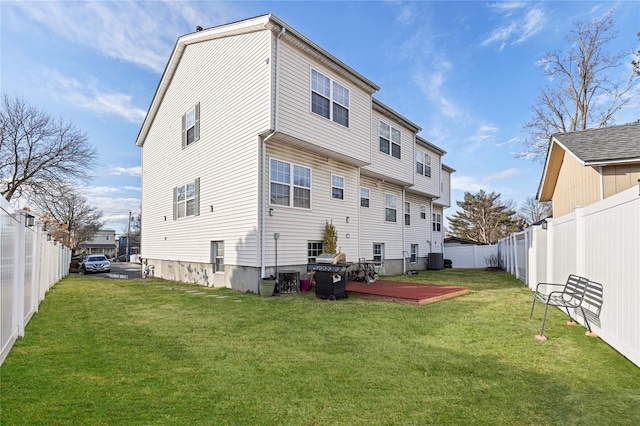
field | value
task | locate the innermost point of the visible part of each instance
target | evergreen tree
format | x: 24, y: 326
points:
x: 484, y: 218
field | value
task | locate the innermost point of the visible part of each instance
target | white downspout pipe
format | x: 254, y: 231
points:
x: 264, y: 203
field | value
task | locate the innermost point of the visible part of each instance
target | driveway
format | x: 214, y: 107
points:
x: 131, y: 270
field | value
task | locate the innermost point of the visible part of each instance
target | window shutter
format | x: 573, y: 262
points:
x: 197, y: 125
x: 175, y: 203
x: 184, y: 131
x: 196, y: 199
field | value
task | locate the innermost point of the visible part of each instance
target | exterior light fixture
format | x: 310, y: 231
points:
x: 271, y: 212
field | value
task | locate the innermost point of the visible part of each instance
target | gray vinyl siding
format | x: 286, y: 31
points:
x: 297, y: 120
x: 230, y: 77
x: 373, y: 228
x: 296, y: 226
x: 385, y: 164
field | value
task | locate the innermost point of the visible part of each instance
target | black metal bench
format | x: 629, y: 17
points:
x: 578, y: 293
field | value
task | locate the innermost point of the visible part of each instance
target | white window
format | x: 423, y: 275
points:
x: 390, y: 207
x: 414, y: 253
x: 364, y: 197
x: 191, y: 126
x: 106, y: 237
x: 378, y: 252
x: 423, y: 211
x: 390, y: 139
x: 329, y: 98
x: 337, y: 187
x: 314, y: 248
x: 217, y: 255
x: 437, y: 222
x: 186, y: 200
x: 423, y: 163
x: 286, y: 191
x: 407, y: 213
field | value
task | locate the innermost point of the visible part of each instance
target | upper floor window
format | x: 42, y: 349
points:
x: 390, y: 207
x: 106, y: 237
x: 337, y: 187
x: 329, y: 98
x: 191, y: 126
x: 437, y: 222
x: 423, y: 211
x: 364, y: 197
x: 407, y: 213
x: 290, y: 184
x: 423, y: 163
x: 390, y: 139
x: 186, y: 200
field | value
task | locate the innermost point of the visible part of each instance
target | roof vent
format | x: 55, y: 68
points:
x: 198, y: 28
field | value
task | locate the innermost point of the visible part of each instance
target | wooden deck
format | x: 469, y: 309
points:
x: 399, y: 292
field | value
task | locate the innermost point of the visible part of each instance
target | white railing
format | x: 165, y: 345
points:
x: 30, y: 263
x: 601, y: 242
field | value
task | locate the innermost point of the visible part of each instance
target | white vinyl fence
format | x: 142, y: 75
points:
x: 470, y: 255
x: 601, y: 242
x: 30, y: 263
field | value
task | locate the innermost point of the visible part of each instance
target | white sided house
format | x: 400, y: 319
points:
x: 255, y: 138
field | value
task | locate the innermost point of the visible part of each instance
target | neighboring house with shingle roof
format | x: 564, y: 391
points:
x: 590, y: 165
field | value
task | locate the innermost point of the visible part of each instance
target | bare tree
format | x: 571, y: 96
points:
x: 585, y: 95
x: 533, y: 211
x: 67, y: 215
x: 636, y: 61
x: 484, y: 218
x: 38, y: 151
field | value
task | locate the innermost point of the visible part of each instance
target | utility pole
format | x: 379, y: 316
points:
x: 128, y: 235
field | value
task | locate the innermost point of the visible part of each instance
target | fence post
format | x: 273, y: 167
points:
x: 18, y: 298
x: 580, y: 241
x: 550, y: 275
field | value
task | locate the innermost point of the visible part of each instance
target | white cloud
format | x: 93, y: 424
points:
x: 142, y: 33
x: 87, y: 95
x: 130, y: 171
x: 488, y: 182
x: 519, y: 22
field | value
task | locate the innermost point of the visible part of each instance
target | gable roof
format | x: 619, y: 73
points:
x: 259, y: 23
x: 593, y: 147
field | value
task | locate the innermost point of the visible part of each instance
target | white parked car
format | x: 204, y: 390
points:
x: 95, y: 263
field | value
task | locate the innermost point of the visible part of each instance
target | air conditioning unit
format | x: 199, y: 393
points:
x: 435, y: 261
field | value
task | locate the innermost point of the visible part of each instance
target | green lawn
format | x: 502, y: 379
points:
x: 147, y: 352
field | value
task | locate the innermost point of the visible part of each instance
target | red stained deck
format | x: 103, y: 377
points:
x: 411, y: 293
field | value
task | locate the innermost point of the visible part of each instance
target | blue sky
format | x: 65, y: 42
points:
x: 464, y: 71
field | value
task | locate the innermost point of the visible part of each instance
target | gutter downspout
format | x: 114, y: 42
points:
x: 263, y: 206
x: 404, y: 225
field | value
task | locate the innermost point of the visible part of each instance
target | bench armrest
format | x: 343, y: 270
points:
x: 549, y: 284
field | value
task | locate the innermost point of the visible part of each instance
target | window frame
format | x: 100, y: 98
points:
x: 217, y: 260
x: 335, y: 187
x: 423, y: 164
x: 314, y: 247
x: 407, y: 213
x: 388, y: 208
x: 368, y: 197
x: 413, y: 254
x: 195, y: 126
x: 390, y: 140
x: 423, y: 211
x: 292, y: 185
x: 379, y: 249
x: 436, y: 222
x: 177, y: 202
x: 338, y: 98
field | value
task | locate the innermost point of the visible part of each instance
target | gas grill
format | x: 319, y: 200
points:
x: 330, y: 271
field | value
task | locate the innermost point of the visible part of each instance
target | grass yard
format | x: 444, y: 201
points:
x: 151, y: 352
